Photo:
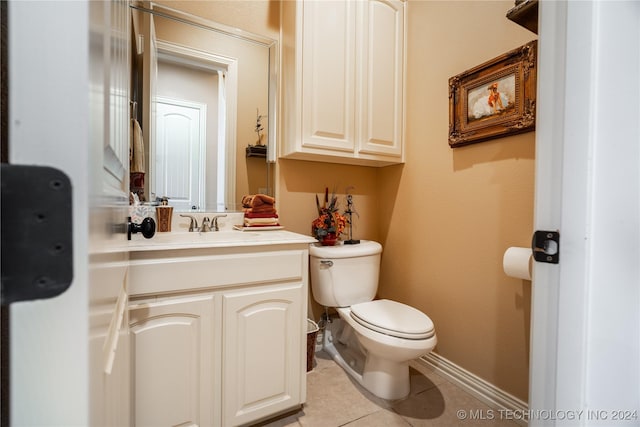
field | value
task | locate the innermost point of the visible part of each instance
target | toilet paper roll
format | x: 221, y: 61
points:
x: 517, y: 263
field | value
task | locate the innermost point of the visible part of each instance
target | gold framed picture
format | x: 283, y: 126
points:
x: 494, y: 99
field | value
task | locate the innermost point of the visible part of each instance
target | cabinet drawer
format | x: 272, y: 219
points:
x: 158, y: 273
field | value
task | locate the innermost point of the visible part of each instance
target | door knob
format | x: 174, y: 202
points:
x: 147, y: 227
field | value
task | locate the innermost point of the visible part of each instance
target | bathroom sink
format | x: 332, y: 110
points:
x: 224, y: 238
x: 196, y: 237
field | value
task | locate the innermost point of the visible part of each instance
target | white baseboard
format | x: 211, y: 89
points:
x: 486, y: 392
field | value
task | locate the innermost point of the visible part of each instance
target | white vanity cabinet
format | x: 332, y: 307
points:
x: 218, y: 334
x: 343, y: 66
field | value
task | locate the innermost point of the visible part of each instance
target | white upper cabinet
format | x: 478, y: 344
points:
x: 343, y: 81
x: 328, y: 75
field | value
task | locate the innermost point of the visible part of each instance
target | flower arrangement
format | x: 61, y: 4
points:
x: 330, y: 223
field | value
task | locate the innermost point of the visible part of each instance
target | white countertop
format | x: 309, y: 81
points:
x: 215, y: 239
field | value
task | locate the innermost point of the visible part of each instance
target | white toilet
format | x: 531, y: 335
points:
x: 388, y: 334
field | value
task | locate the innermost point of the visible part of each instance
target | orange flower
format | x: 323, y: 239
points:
x: 329, y: 219
x: 328, y: 222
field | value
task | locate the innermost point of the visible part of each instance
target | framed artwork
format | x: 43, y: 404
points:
x: 494, y: 99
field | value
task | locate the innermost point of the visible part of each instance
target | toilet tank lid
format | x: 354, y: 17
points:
x: 364, y: 248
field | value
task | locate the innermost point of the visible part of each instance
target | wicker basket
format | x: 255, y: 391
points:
x: 312, y: 332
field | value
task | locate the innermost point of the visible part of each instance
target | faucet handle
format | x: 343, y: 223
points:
x: 215, y: 222
x: 193, y: 224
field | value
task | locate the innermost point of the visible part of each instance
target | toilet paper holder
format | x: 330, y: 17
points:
x: 545, y: 246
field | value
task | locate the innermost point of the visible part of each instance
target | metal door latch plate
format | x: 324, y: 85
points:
x: 546, y: 246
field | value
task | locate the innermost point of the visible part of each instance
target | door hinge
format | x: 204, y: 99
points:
x: 37, y: 233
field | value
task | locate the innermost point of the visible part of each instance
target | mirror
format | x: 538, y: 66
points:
x: 205, y: 97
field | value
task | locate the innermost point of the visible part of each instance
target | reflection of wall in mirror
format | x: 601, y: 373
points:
x: 259, y: 17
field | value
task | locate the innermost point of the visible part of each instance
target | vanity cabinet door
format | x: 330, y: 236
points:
x: 172, y: 356
x: 263, y: 352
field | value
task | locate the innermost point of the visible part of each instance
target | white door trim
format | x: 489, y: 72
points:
x: 586, y: 310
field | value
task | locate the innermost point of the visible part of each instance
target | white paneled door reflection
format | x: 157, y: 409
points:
x: 180, y: 152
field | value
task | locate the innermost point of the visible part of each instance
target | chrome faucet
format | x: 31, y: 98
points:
x: 207, y: 224
x: 215, y: 222
x: 193, y: 225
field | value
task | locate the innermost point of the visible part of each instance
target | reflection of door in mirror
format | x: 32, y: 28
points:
x: 180, y: 146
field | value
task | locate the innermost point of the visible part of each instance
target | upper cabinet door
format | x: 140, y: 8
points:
x: 343, y: 72
x: 382, y: 77
x: 328, y: 69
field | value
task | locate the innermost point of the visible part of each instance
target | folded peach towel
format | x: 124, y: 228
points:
x: 257, y: 200
x: 264, y: 209
x: 260, y: 222
x: 261, y: 225
x: 252, y: 214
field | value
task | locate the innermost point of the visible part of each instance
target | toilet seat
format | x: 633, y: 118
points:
x: 394, y: 319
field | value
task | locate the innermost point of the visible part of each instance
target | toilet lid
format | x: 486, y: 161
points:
x: 393, y: 318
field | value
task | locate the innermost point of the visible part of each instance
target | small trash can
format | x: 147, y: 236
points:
x: 312, y: 332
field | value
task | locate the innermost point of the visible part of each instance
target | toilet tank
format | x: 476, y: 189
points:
x: 344, y: 275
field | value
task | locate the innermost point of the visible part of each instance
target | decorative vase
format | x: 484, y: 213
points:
x: 329, y: 240
x: 163, y: 215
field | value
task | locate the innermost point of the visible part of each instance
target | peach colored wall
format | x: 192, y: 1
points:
x: 300, y: 181
x: 256, y: 16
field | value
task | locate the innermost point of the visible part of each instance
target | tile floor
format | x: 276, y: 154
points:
x: 334, y: 399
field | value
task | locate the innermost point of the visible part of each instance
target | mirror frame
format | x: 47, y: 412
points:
x: 160, y: 10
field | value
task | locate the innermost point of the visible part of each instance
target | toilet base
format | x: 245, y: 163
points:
x: 385, y: 379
